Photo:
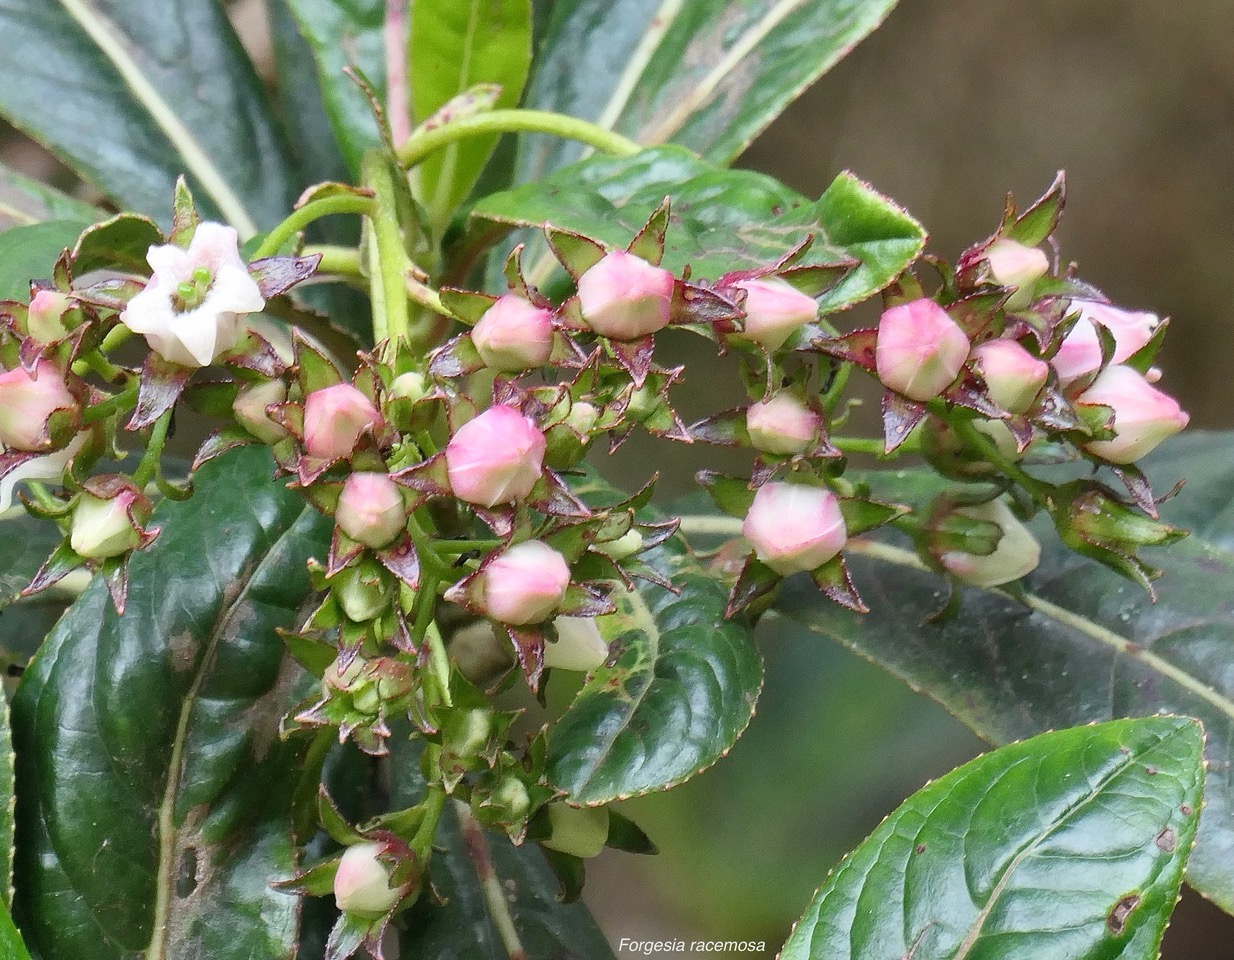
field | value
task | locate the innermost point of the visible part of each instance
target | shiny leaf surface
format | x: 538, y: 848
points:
x: 131, y: 102
x: 1070, y: 846
x: 710, y: 76
x: 30, y: 253
x: 677, y: 690
x: 154, y: 791
x: 722, y: 220
x: 1084, y: 645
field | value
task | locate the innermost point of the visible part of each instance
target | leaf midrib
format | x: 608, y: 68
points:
x: 168, y: 833
x: 1094, y: 793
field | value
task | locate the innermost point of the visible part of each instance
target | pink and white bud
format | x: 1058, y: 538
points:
x: 920, y: 349
x: 1012, y: 264
x: 782, y: 425
x: 251, y: 406
x: 579, y: 645
x: 1016, y: 554
x: 45, y: 319
x: 514, y: 335
x: 495, y: 458
x: 1013, y: 376
x: 775, y: 310
x: 1143, y: 415
x: 362, y: 883
x: 190, y: 311
x: 794, y: 527
x: 50, y: 466
x: 1080, y: 352
x: 334, y: 419
x: 28, y: 401
x: 578, y: 831
x: 371, y: 509
x: 526, y: 584
x: 105, y: 528
x: 623, y: 297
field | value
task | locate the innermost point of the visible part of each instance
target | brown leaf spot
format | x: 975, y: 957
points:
x: 1151, y: 771
x: 1167, y: 840
x: 1185, y: 810
x: 1117, y: 920
x: 920, y: 848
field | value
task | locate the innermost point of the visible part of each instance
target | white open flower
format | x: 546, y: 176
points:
x: 190, y: 310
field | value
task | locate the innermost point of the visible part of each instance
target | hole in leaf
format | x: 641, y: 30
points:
x: 186, y: 876
x: 1117, y: 920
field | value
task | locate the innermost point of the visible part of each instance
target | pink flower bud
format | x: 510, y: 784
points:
x: 45, y: 320
x: 334, y: 419
x: 250, y: 408
x: 775, y: 310
x: 495, y: 458
x: 525, y: 584
x: 26, y: 403
x: 1012, y: 264
x: 920, y: 349
x: 782, y: 425
x: 514, y: 335
x: 1016, y: 554
x: 371, y: 509
x: 106, y: 528
x: 362, y: 883
x: 793, y: 527
x: 579, y: 645
x: 623, y: 297
x: 578, y: 831
x: 1143, y: 415
x: 1012, y: 374
x: 1080, y: 351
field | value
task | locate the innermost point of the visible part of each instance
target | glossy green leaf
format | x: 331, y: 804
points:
x: 1084, y: 645
x: 11, y: 945
x: 1069, y: 846
x: 30, y: 253
x: 347, y: 34
x: 462, y: 927
x: 710, y: 76
x: 155, y: 792
x: 677, y: 691
x: 8, y: 800
x: 25, y: 542
x: 457, y: 45
x: 131, y: 102
x: 722, y: 220
x: 24, y: 202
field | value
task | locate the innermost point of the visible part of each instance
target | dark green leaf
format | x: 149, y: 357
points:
x: 347, y: 33
x: 1085, y: 645
x: 1069, y: 846
x: 119, y: 243
x: 25, y: 542
x: 24, y: 202
x: 707, y: 75
x: 155, y: 792
x: 11, y: 946
x: 462, y: 928
x: 677, y: 691
x: 457, y: 45
x: 30, y: 253
x: 722, y: 220
x: 131, y: 101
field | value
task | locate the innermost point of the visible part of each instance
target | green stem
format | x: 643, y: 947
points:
x: 154, y: 451
x: 434, y: 804
x: 389, y: 265
x: 99, y: 364
x: 453, y: 548
x: 125, y: 400
x: 1039, y: 489
x: 872, y: 446
x: 115, y: 336
x: 439, y: 662
x: 297, y: 220
x: 425, y: 142
x: 490, y: 884
x: 342, y: 261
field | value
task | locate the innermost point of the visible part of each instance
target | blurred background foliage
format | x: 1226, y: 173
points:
x: 949, y: 105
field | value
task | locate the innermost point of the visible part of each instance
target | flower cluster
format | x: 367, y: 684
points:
x: 469, y: 543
